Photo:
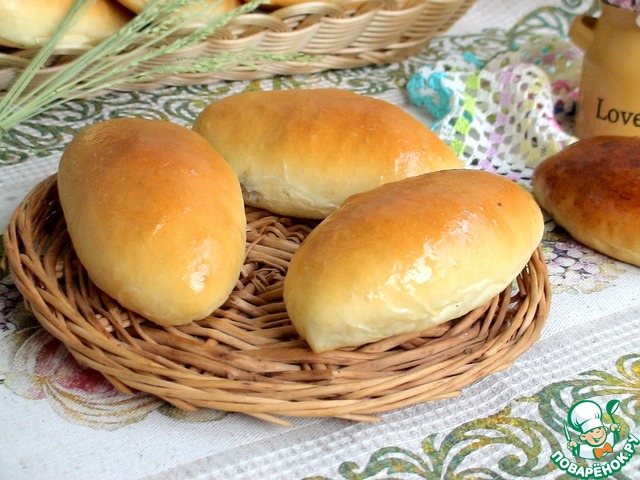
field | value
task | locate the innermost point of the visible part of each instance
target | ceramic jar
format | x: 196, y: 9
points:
x: 609, y: 92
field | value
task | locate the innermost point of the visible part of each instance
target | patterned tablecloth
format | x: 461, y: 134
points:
x: 500, y: 88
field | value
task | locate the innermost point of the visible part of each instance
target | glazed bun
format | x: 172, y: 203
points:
x: 592, y: 190
x: 303, y: 152
x: 409, y: 255
x: 275, y: 4
x: 31, y: 23
x: 156, y: 217
x: 219, y: 6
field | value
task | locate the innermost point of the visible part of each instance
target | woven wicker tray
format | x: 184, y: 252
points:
x: 353, y: 35
x: 247, y: 357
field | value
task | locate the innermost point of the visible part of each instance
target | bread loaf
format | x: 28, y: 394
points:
x: 409, y: 255
x: 155, y: 215
x: 217, y: 7
x: 592, y: 189
x: 31, y: 23
x: 275, y: 4
x: 303, y: 152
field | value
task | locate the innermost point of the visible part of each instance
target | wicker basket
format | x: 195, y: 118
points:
x: 246, y: 357
x: 352, y: 35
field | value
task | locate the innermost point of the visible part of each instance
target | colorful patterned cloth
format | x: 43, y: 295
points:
x: 501, y: 89
x: 515, y: 106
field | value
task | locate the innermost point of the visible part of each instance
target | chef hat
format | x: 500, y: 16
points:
x: 585, y: 416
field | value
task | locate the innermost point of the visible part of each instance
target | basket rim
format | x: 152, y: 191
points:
x: 336, y: 36
x: 219, y: 367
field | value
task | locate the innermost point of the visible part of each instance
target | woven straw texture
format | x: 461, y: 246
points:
x: 246, y: 357
x: 337, y: 36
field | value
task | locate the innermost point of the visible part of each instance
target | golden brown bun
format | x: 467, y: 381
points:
x: 30, y: 23
x: 275, y: 4
x: 592, y: 190
x: 222, y: 6
x: 409, y: 255
x: 303, y: 152
x: 156, y: 217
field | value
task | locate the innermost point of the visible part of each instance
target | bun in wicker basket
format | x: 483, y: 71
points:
x: 337, y: 35
x: 246, y: 357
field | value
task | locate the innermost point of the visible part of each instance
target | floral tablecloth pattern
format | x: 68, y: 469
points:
x: 500, y: 88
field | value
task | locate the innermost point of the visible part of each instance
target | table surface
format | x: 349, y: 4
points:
x: 506, y: 79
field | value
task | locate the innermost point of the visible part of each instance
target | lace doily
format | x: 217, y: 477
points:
x: 505, y: 114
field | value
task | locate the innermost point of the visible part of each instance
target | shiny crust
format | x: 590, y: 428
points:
x: 275, y: 4
x: 303, y: 152
x: 30, y: 23
x: 156, y: 217
x: 592, y: 189
x: 410, y: 255
x: 222, y: 6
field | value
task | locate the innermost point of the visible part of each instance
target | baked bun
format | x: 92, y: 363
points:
x: 592, y: 190
x: 275, y: 4
x: 156, y: 217
x: 31, y: 23
x: 409, y: 255
x: 221, y: 6
x: 303, y: 152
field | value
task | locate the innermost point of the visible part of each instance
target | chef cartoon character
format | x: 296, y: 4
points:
x: 597, y: 438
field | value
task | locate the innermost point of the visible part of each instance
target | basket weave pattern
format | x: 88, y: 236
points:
x: 246, y: 357
x: 337, y: 36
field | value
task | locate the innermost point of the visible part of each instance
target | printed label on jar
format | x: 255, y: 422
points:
x: 614, y: 115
